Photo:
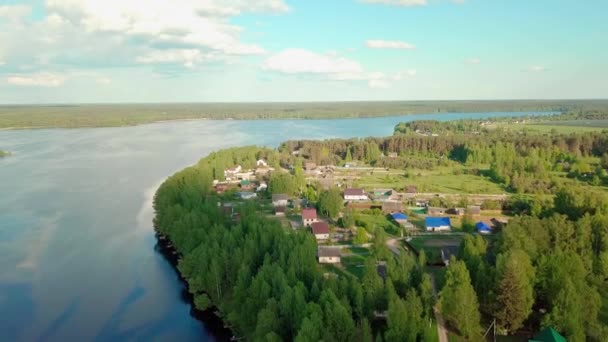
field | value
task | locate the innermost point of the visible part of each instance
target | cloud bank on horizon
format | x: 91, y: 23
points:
x: 283, y: 50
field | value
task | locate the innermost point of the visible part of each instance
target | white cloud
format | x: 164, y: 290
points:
x: 379, y: 84
x: 14, y: 12
x: 389, y: 44
x: 404, y: 74
x: 398, y: 2
x: 295, y: 61
x: 537, y: 68
x: 186, y: 57
x: 202, y: 24
x: 103, y: 80
x: 330, y: 66
x: 36, y: 80
x: 474, y: 61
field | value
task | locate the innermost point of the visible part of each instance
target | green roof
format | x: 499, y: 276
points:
x: 245, y: 182
x: 548, y: 335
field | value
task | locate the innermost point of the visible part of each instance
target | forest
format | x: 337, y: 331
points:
x: 547, y: 268
x: 106, y: 115
x: 252, y: 266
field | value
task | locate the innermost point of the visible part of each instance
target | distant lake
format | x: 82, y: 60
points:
x: 77, y: 246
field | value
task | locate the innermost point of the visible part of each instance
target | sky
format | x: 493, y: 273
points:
x: 112, y: 51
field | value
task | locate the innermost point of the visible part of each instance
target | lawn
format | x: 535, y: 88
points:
x: 354, y: 264
x: 562, y: 127
x: 371, y: 222
x: 432, y: 245
x: 450, y: 180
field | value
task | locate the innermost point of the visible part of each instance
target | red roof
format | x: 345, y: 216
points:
x: 354, y: 192
x: 309, y: 214
x: 320, y: 228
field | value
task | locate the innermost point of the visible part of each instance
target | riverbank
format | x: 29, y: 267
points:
x: 119, y: 115
x: 211, y: 317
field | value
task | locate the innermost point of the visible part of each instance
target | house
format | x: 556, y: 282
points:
x: 309, y: 216
x: 548, y: 335
x: 280, y: 200
x: 483, y: 227
x: 456, y: 211
x: 310, y: 166
x: 399, y: 217
x: 261, y: 162
x: 355, y: 195
x: 321, y: 230
x: 280, y: 210
x: 391, y: 207
x: 436, y: 211
x: 231, y: 173
x: 246, y: 195
x: 382, y: 195
x: 421, y: 203
x: 262, y: 187
x: 246, y: 184
x: 263, y: 170
x: 220, y: 188
x: 328, y: 255
x: 435, y: 224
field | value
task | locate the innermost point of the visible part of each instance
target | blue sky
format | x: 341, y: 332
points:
x: 74, y: 51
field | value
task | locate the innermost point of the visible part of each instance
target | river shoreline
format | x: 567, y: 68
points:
x: 213, y: 323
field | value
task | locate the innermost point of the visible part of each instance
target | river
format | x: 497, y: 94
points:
x: 77, y: 246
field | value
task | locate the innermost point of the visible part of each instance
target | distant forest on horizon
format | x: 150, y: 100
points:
x: 111, y: 115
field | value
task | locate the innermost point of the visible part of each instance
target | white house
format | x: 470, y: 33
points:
x: 232, y: 172
x: 320, y: 230
x: 262, y: 187
x: 247, y: 195
x: 329, y: 255
x: 355, y: 195
x: 261, y: 162
x: 280, y: 200
x: 309, y: 216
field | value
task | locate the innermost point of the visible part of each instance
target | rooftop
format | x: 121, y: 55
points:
x: 320, y: 228
x: 326, y: 251
x: 437, y: 221
x: 399, y: 216
x: 354, y: 192
x: 309, y: 213
x: 280, y: 197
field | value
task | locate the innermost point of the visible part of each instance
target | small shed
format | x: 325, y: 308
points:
x: 280, y: 210
x: 247, y: 195
x: 280, y: 200
x: 435, y: 224
x: 483, y: 228
x: 548, y: 335
x: 436, y: 211
x: 329, y: 255
x: 399, y: 217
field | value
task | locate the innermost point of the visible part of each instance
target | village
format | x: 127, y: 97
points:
x: 411, y: 220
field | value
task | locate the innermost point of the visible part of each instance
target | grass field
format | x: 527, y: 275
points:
x: 371, y: 222
x: 564, y: 127
x: 443, y: 180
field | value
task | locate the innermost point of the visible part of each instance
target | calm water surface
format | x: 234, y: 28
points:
x: 77, y: 256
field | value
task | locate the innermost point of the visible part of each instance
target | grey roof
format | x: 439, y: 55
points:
x: 280, y: 197
x: 325, y: 251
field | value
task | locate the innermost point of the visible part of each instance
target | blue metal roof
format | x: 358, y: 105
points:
x: 482, y: 227
x: 437, y: 221
x: 399, y: 216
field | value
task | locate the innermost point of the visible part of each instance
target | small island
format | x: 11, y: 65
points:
x: 444, y: 230
x: 4, y: 154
